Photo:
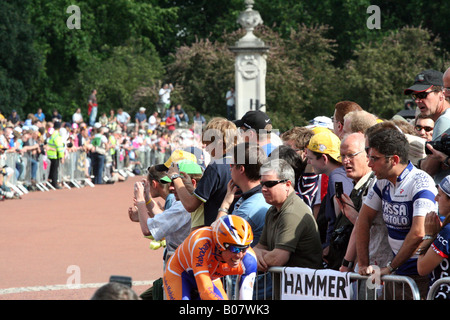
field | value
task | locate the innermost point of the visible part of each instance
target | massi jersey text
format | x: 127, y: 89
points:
x: 412, y: 195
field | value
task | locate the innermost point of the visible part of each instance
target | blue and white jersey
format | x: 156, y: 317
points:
x: 441, y: 246
x: 412, y: 196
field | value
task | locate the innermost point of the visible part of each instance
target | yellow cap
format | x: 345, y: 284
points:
x: 326, y: 142
x: 178, y: 155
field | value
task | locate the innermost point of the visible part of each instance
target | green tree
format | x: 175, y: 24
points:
x: 19, y: 61
x: 381, y: 71
x: 297, y: 71
x: 121, y: 78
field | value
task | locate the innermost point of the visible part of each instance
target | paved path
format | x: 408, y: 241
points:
x: 51, y: 239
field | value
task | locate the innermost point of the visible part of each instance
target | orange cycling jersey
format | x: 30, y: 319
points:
x: 196, y: 266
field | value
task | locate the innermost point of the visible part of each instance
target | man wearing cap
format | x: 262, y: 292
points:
x: 323, y: 153
x: 427, y: 92
x: 175, y: 224
x: 55, y: 153
x: 256, y: 127
x: 141, y: 119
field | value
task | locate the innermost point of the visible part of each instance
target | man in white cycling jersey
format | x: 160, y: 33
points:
x: 405, y: 195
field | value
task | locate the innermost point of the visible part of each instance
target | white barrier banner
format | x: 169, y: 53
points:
x: 309, y: 284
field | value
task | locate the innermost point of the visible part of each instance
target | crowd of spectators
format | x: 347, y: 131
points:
x: 348, y: 192
x: 113, y: 136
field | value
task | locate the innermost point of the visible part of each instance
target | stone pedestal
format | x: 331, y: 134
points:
x: 250, y: 65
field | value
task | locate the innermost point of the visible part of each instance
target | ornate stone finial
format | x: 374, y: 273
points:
x: 249, y: 19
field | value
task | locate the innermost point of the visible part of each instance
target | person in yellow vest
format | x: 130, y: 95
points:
x: 55, y: 153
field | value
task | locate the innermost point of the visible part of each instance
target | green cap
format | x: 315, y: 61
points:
x: 187, y: 166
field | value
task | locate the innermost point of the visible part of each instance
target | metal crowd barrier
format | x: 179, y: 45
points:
x: 25, y: 171
x: 271, y: 289
x: 436, y: 286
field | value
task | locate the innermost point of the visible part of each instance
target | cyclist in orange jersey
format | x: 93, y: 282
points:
x: 208, y: 254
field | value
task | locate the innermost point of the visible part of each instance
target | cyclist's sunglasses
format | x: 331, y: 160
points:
x: 235, y: 248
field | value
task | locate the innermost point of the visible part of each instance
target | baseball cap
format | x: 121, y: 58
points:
x: 255, y: 119
x: 187, y: 166
x: 425, y: 80
x: 445, y: 185
x: 199, y: 155
x: 321, y: 121
x: 176, y: 156
x: 326, y: 142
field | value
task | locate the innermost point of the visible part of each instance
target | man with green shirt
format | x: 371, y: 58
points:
x: 290, y: 236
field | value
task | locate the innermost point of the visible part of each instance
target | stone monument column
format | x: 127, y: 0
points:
x: 250, y: 65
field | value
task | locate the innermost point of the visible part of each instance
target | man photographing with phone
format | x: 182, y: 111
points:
x: 323, y: 153
x: 342, y: 253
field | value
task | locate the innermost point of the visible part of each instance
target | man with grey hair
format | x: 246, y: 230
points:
x: 290, y: 236
x: 358, y: 121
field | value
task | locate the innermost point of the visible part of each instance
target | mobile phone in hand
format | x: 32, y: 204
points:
x: 339, y: 189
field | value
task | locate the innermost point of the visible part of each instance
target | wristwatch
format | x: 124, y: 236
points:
x: 446, y: 162
x: 175, y: 176
x: 391, y: 269
x: 348, y: 264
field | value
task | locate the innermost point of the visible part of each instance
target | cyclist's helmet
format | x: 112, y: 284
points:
x: 232, y: 230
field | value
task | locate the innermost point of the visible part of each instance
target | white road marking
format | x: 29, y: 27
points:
x: 64, y: 287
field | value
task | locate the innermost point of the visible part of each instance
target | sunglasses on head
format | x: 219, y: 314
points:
x: 426, y: 128
x: 235, y: 248
x: 272, y: 183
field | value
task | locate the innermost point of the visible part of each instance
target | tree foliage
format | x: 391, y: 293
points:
x: 320, y: 53
x: 381, y: 71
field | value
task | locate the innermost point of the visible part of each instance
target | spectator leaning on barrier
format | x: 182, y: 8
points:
x: 405, y: 195
x: 356, y: 165
x: 434, y: 250
x: 323, y: 154
x: 175, y: 224
x: 55, y: 153
x: 98, y: 153
x: 155, y: 187
x: 290, y: 235
x: 245, y: 177
x: 219, y: 136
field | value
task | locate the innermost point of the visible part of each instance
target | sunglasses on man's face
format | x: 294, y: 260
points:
x: 272, y: 183
x: 235, y: 249
x: 426, y: 128
x: 420, y: 95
